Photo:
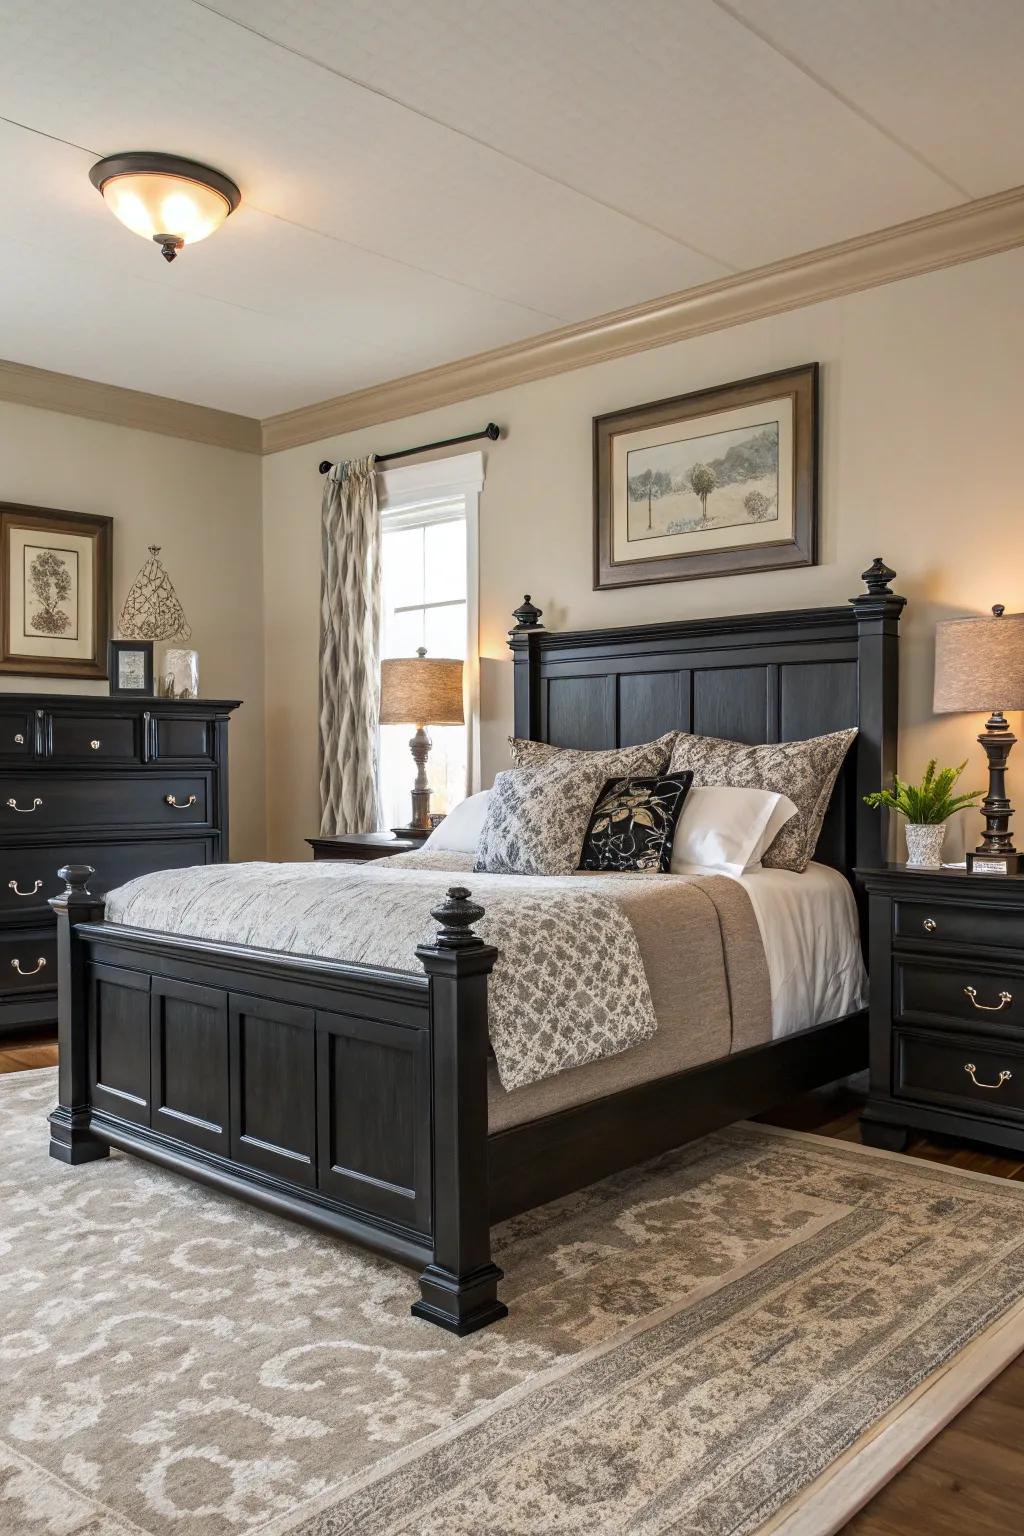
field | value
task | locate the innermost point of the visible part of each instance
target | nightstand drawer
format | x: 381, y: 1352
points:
x: 985, y: 927
x: 973, y: 993
x: 962, y: 1071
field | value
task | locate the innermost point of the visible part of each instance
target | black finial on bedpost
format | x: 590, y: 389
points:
x: 76, y: 879
x: 527, y: 617
x: 877, y: 578
x: 456, y: 916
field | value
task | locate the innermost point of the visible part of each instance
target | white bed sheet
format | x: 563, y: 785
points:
x: 811, y: 936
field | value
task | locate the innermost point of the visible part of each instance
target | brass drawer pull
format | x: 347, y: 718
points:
x: 12, y: 885
x: 24, y: 810
x: 39, y: 966
x: 929, y: 925
x: 95, y: 745
x: 176, y: 805
x: 970, y: 1069
x: 1005, y: 999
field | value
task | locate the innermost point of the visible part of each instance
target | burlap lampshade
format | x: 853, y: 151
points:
x: 979, y: 664
x: 421, y: 690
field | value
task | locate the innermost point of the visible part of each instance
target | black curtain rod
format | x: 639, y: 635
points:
x: 491, y: 430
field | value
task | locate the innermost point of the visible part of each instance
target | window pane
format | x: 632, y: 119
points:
x: 403, y: 634
x: 445, y: 561
x: 444, y: 630
x: 423, y: 565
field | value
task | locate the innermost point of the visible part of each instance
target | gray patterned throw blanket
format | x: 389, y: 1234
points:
x: 570, y: 985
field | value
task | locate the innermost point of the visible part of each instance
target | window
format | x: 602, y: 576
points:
x: 428, y: 598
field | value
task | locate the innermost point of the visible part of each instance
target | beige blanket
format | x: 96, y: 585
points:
x: 589, y: 966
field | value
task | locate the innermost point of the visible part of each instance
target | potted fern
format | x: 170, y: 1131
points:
x: 927, y: 807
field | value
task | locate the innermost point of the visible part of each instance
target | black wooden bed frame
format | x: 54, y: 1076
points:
x: 355, y: 1099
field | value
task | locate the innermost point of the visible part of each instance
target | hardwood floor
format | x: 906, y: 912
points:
x: 969, y: 1481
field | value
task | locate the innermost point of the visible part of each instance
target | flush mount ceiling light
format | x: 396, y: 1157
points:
x: 165, y: 198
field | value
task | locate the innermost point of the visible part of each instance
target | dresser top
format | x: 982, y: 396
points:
x: 94, y: 701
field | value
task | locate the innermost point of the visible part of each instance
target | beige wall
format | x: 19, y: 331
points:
x: 202, y: 505
x: 923, y: 398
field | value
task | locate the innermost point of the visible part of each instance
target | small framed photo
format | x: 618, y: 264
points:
x: 131, y: 667
x: 54, y: 592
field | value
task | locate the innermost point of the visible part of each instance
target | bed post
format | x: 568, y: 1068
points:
x: 458, y: 1290
x: 878, y: 684
x: 524, y: 638
x: 71, y: 1140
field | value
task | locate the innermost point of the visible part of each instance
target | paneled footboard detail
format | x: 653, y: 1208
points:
x: 351, y: 1099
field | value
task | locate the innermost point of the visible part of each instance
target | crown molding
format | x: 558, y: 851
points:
x: 964, y: 233
x: 48, y: 391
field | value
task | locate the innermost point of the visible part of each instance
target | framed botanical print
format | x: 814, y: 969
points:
x: 714, y: 483
x: 55, y: 592
x: 131, y: 667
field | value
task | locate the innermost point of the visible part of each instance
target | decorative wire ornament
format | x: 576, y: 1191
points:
x: 151, y: 610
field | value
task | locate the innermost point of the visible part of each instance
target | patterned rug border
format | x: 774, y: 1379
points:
x: 853, y: 1479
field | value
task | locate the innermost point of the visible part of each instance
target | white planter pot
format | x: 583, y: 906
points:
x: 924, y: 843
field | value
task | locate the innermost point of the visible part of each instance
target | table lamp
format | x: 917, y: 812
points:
x: 420, y: 690
x: 979, y: 665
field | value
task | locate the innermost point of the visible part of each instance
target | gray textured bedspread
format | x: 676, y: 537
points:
x: 586, y: 963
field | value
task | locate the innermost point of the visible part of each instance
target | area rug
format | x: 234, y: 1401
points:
x: 748, y: 1334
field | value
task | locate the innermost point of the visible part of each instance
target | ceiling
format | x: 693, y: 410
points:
x: 423, y: 179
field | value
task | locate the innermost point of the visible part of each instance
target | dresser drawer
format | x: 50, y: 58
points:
x: 28, y: 961
x: 35, y: 802
x: 962, y: 1071
x: 984, y: 927
x: 183, y: 737
x: 973, y: 993
x: 94, y: 738
x: 28, y: 876
x: 16, y: 733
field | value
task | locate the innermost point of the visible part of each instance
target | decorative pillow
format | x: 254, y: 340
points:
x: 803, y: 770
x: 537, y: 817
x: 633, y: 823
x: 461, y: 828
x: 645, y: 758
x: 728, y: 828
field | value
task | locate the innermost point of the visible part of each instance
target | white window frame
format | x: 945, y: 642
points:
x: 434, y: 492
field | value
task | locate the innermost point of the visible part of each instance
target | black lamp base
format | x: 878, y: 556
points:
x: 996, y: 855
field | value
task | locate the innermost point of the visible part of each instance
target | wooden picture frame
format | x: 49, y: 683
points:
x: 118, y: 651
x: 55, y: 592
x: 749, y: 450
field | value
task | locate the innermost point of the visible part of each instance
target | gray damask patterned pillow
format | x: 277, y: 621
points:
x: 803, y: 770
x: 646, y: 757
x: 537, y: 817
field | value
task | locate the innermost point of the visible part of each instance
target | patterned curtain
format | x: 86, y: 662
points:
x: 349, y: 648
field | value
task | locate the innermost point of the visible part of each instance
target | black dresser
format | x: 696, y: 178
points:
x: 126, y: 785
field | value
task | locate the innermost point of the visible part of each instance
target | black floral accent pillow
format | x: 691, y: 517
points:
x: 633, y: 824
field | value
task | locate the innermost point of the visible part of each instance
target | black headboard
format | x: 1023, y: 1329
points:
x: 755, y: 678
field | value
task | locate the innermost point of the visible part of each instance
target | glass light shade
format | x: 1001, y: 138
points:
x: 165, y: 197
x: 152, y: 204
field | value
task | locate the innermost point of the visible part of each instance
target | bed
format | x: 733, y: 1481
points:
x: 361, y: 1099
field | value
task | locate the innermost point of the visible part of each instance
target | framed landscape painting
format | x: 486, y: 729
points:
x: 708, y: 484
x: 55, y: 592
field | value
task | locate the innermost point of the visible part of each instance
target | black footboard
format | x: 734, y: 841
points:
x: 351, y: 1099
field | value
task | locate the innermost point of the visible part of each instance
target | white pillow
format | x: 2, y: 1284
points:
x: 727, y: 828
x: 461, y: 828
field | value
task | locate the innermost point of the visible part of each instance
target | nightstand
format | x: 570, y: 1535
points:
x: 361, y: 847
x: 947, y: 1006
